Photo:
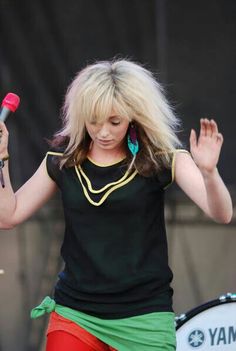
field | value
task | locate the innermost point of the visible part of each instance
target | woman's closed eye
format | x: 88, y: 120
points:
x: 115, y: 120
x: 115, y: 123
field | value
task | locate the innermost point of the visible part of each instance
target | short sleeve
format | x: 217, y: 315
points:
x: 164, y: 177
x: 52, y: 164
x: 167, y: 176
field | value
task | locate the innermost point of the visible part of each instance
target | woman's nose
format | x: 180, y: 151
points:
x: 104, y: 131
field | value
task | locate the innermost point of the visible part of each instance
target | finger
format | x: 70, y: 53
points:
x: 3, y: 127
x: 3, y: 137
x: 3, y: 134
x: 208, y: 127
x: 220, y: 138
x: 202, y: 128
x: 193, y: 138
x: 214, y: 128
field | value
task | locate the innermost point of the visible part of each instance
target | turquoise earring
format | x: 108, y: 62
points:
x: 132, y: 140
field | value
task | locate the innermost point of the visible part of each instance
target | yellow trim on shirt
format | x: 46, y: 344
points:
x: 104, y: 197
x: 54, y: 153
x: 173, y: 162
x: 173, y: 165
x: 105, y: 165
x: 94, y: 191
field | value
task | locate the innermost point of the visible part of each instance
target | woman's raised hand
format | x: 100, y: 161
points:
x: 3, y: 140
x: 206, y: 148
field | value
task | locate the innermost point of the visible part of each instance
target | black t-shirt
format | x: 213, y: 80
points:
x: 115, y: 253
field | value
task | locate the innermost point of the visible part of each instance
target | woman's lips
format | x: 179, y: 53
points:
x: 104, y: 141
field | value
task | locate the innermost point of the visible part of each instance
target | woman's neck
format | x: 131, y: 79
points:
x: 104, y: 156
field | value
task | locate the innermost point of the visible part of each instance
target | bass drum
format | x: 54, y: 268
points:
x: 209, y: 327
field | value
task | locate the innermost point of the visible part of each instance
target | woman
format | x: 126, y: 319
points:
x: 112, y: 160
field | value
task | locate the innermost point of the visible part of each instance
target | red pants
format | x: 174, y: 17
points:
x: 65, y: 335
x: 63, y: 341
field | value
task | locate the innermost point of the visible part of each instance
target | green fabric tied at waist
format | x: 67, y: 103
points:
x: 47, y: 305
x: 150, y: 332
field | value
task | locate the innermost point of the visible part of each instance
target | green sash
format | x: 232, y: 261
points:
x: 148, y: 332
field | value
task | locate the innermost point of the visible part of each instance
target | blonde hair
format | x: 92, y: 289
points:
x: 129, y: 90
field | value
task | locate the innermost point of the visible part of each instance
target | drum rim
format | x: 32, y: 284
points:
x: 196, y: 310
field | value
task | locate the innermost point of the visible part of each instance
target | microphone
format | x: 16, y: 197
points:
x: 9, y: 104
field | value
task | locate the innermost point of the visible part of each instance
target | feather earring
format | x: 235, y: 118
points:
x: 132, y: 140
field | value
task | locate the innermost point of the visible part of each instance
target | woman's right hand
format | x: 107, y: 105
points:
x: 3, y: 140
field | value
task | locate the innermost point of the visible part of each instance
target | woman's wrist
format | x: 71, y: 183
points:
x: 209, y: 174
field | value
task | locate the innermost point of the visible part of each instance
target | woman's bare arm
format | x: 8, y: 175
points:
x: 17, y: 207
x: 198, y: 176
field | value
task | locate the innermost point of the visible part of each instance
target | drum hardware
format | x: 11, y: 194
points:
x: 179, y: 318
x: 228, y: 296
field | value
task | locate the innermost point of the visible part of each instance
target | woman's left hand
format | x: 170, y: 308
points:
x: 206, y: 149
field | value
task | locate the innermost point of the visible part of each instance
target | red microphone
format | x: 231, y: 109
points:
x: 9, y: 104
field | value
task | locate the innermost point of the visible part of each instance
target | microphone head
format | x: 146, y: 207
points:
x: 11, y: 101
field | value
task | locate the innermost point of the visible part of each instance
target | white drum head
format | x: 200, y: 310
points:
x: 213, y: 329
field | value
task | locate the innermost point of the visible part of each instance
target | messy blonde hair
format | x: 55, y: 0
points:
x: 129, y: 90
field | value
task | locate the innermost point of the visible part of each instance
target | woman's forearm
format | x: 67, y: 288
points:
x: 218, y: 197
x: 7, y: 200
